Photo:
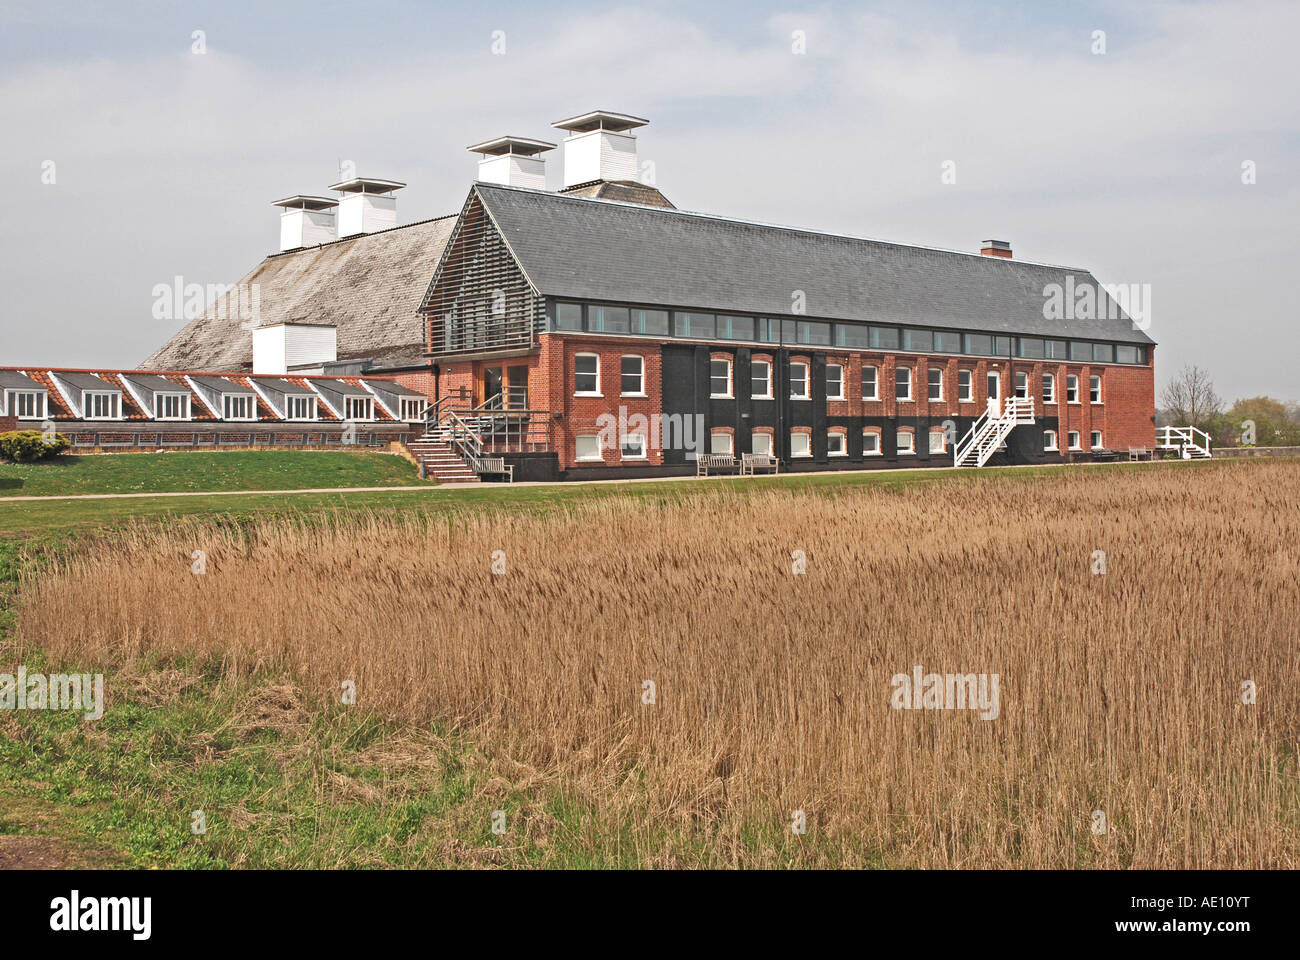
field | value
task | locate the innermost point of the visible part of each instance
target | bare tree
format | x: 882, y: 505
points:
x: 1190, y: 399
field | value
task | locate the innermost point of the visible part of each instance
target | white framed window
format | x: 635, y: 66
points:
x: 936, y: 383
x: 171, y: 406
x: 26, y: 404
x: 799, y: 381
x: 300, y: 407
x: 720, y: 443
x: 760, y: 380
x: 632, y: 376
x: 414, y: 409
x: 100, y: 405
x: 586, y: 375
x: 834, y: 381
x: 902, y: 383
x: 937, y: 440
x: 719, y: 378
x: 870, y: 443
x: 1071, y: 389
x: 837, y: 445
x: 1022, y: 386
x: 801, y: 445
x: 358, y: 408
x: 870, y: 383
x: 1094, y: 389
x: 965, y: 386
x: 633, y: 446
x: 587, y: 447
x: 1049, y: 439
x: 1049, y: 388
x: 761, y: 443
x: 238, y: 406
x: 1096, y: 439
x: 905, y: 442
x: 1073, y: 437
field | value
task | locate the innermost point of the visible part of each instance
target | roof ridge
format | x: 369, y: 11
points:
x: 358, y: 236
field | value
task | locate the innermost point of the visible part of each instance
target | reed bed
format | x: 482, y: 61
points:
x: 1120, y: 692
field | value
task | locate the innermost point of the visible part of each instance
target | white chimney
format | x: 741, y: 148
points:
x: 305, y: 221
x: 367, y: 205
x: 280, y: 348
x: 513, y: 161
x: 599, y: 147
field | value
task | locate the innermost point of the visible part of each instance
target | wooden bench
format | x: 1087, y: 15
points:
x: 1140, y: 453
x: 713, y: 461
x: 495, y: 466
x: 749, y: 462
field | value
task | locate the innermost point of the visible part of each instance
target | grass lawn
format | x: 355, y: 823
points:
x: 192, y: 471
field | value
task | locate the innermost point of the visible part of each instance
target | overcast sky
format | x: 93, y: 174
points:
x: 1127, y: 162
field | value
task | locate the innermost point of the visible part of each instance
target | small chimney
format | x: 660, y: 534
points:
x: 599, y: 147
x: 513, y: 161
x: 305, y: 221
x: 996, y: 248
x: 367, y: 205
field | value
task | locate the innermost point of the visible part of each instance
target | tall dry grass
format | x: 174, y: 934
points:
x: 1119, y: 692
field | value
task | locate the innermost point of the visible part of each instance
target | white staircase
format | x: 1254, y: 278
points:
x: 990, y: 431
x: 1190, y: 443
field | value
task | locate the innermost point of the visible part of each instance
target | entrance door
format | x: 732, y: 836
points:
x: 492, y: 385
x: 994, y: 385
x: 517, y: 388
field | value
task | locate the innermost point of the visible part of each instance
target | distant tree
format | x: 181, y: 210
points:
x: 1267, y: 419
x: 1189, y: 398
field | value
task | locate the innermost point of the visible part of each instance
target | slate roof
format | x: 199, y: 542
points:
x: 592, y: 249
x: 368, y: 287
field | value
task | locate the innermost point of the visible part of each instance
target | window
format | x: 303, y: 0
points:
x: 300, y: 408
x: 761, y: 443
x: 1094, y: 389
x: 1073, y: 437
x: 171, y: 406
x: 27, y: 405
x: 1071, y: 389
x: 936, y: 383
x: 902, y: 383
x: 1080, y: 350
x: 701, y: 326
x: 798, y: 381
x: 979, y: 344
x: 870, y: 386
x: 1103, y: 353
x: 852, y: 335
x: 760, y: 380
x: 837, y: 445
x: 834, y: 381
x: 633, y: 446
x: 870, y: 443
x: 800, y: 445
x: 1049, y: 388
x: 938, y: 440
x: 100, y: 406
x: 1054, y: 350
x: 965, y: 386
x: 568, y: 316
x: 358, y: 408
x: 920, y: 341
x: 807, y: 332
x: 947, y: 342
x: 602, y: 319
x: 906, y: 442
x: 240, y: 406
x: 586, y: 375
x: 1096, y: 439
x: 720, y: 443
x: 1049, y: 439
x: 1022, y: 386
x: 650, y: 322
x: 1030, y: 347
x: 413, y: 409
x: 884, y: 338
x: 633, y: 376
x: 720, y: 378
x: 1126, y: 353
x: 735, y: 328
x: 587, y: 447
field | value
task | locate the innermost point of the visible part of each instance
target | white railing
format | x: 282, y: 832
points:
x: 1188, y: 441
x: 988, y: 432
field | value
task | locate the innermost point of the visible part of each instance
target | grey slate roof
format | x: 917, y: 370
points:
x: 13, y: 380
x: 599, y: 250
x: 152, y: 383
x: 368, y: 286
x: 87, y: 381
x: 219, y: 385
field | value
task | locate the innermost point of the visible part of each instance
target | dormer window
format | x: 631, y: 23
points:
x: 171, y: 406
x: 27, y: 404
x: 413, y: 409
x: 358, y: 408
x: 238, y: 406
x: 101, y: 405
x: 299, y: 408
